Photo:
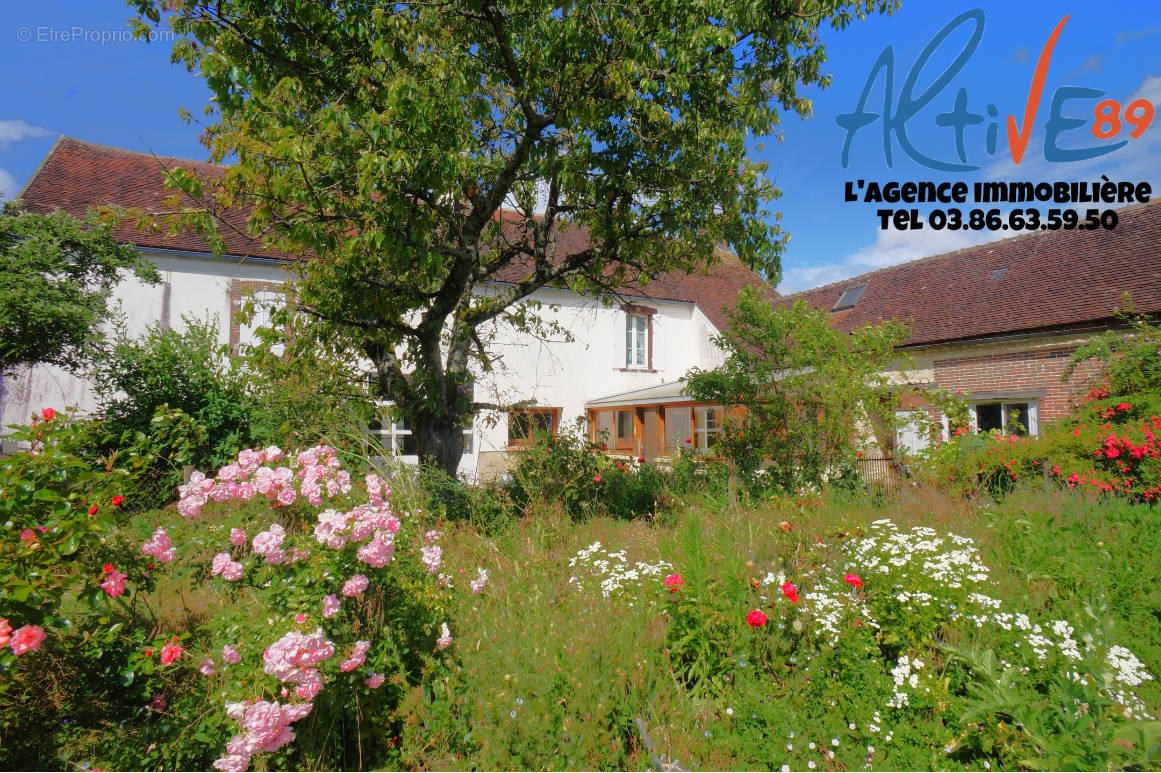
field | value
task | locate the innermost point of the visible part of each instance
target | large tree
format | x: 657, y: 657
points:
x: 420, y: 152
x: 799, y: 393
x: 57, y: 275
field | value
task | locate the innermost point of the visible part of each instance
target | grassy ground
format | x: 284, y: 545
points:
x: 576, y: 638
x: 552, y: 674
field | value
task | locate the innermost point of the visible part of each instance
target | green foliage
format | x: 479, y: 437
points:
x: 798, y: 393
x: 303, y: 386
x: 186, y: 370
x: 58, y: 512
x: 385, y: 139
x: 57, y: 275
x: 569, y: 472
x: 1130, y: 360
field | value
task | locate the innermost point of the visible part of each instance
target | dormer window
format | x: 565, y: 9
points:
x: 638, y: 337
x: 850, y: 297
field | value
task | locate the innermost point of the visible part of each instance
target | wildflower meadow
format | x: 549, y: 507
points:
x: 322, y: 607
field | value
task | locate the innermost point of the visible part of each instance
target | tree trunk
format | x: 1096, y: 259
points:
x: 441, y: 442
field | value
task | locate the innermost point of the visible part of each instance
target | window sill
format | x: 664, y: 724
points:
x: 635, y: 370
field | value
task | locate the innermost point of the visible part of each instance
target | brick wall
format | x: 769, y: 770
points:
x: 1020, y: 371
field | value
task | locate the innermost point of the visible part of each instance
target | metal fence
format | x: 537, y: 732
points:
x: 881, y: 472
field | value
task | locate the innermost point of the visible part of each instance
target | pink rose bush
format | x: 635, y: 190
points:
x: 326, y: 570
x: 313, y: 474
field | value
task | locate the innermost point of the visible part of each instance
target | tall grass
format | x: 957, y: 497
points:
x: 551, y: 676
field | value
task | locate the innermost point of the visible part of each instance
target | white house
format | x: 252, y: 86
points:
x: 619, y: 369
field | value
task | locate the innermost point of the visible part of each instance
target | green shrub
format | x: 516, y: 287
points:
x: 569, y: 472
x: 186, y: 370
x: 63, y: 567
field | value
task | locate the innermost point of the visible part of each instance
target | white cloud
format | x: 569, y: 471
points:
x: 1138, y: 161
x: 1150, y: 89
x: 891, y: 247
x: 15, y: 131
x: 8, y: 186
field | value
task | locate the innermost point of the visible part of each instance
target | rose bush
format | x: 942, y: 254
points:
x: 327, y: 598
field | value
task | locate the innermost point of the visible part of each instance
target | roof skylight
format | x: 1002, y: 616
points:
x: 850, y: 296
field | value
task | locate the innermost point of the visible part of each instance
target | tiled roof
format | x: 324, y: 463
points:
x: 78, y: 175
x: 1054, y: 280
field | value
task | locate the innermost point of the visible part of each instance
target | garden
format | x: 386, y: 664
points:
x: 317, y: 607
x: 221, y: 568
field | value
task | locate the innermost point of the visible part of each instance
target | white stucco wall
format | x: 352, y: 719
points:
x: 552, y: 371
x: 191, y: 286
x: 566, y: 374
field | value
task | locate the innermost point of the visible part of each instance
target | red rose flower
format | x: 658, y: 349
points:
x: 108, y: 568
x: 47, y: 414
x: 853, y: 580
x: 596, y: 478
x: 756, y: 619
x: 641, y: 460
x: 93, y: 510
x: 117, y: 500
x: 674, y: 582
x: 604, y: 447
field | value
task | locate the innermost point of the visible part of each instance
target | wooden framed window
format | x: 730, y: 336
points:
x: 638, y: 337
x: 707, y: 426
x: 528, y: 426
x: 636, y: 341
x: 265, y: 295
x: 623, y: 426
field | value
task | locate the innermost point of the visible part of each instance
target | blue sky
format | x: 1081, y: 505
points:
x: 68, y: 68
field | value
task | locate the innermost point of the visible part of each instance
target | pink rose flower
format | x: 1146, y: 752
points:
x: 27, y: 638
x: 331, y: 605
x: 207, y: 667
x: 219, y: 564
x: 114, y: 583
x: 356, y: 585
x: 159, y: 546
x: 230, y: 655
x: 170, y: 652
x: 237, y: 537
x: 357, y: 657
x: 374, y: 680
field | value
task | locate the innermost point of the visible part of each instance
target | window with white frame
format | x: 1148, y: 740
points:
x: 707, y: 426
x: 263, y: 301
x: 636, y: 340
x: 911, y: 435
x: 1012, y: 417
x: 397, y: 438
